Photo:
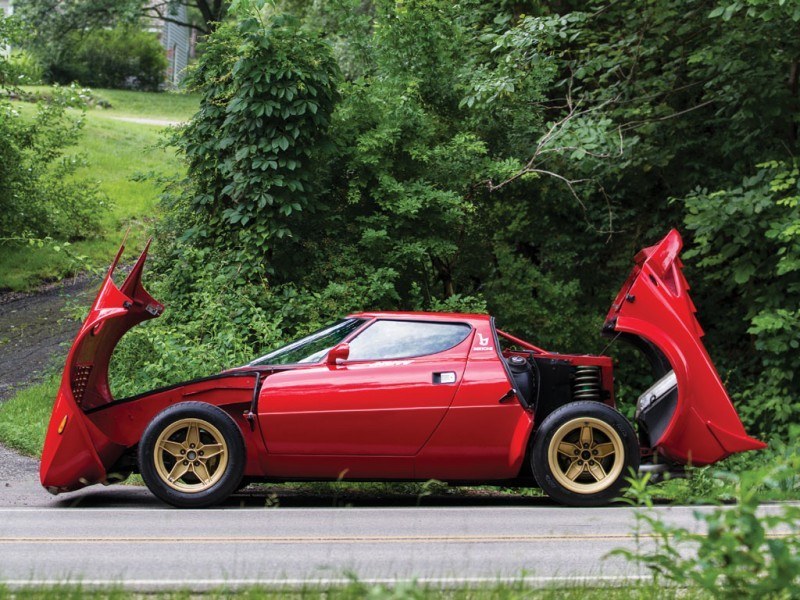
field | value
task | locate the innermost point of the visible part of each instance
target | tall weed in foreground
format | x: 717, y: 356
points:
x: 738, y: 551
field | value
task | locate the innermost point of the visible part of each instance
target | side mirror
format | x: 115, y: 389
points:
x: 338, y: 353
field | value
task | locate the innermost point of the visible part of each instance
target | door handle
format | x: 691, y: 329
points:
x: 444, y: 377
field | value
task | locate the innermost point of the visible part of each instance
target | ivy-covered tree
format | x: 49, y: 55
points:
x: 253, y: 149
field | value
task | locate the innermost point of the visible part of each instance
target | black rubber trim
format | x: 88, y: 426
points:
x: 538, y: 381
x: 506, y: 368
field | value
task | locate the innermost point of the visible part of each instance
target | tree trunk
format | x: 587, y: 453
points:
x: 794, y: 73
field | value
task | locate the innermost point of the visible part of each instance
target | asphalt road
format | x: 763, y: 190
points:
x: 121, y: 536
x: 207, y: 548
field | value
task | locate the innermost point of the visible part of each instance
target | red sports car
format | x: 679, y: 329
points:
x: 400, y: 396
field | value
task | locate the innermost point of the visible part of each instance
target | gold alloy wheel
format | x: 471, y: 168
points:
x: 586, y: 455
x: 190, y: 455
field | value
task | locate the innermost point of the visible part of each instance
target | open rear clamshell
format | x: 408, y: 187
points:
x: 686, y: 414
x: 75, y: 450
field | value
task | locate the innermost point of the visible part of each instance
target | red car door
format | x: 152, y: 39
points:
x: 386, y: 399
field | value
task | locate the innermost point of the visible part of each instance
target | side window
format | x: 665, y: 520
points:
x: 403, y: 339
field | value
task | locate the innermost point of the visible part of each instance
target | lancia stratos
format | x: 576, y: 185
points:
x: 400, y: 396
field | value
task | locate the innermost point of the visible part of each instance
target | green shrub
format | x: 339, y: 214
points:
x: 40, y: 199
x: 24, y: 68
x: 211, y: 323
x: 124, y: 57
x: 81, y: 96
x: 12, y: 32
x: 737, y: 551
x: 39, y: 196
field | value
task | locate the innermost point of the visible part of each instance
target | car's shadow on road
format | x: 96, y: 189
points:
x: 270, y: 498
x: 275, y: 498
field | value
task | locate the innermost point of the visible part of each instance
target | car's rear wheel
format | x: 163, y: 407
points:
x: 583, y: 452
x: 192, y: 455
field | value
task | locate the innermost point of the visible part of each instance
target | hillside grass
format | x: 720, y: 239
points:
x: 115, y: 152
x: 24, y: 418
x: 171, y: 106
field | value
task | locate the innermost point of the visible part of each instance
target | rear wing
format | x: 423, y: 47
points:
x: 699, y: 423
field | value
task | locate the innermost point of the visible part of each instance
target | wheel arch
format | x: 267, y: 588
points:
x: 172, y: 460
x: 550, y: 432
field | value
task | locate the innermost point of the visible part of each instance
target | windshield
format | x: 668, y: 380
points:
x: 312, y: 348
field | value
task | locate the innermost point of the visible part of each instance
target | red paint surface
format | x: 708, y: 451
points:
x: 654, y: 303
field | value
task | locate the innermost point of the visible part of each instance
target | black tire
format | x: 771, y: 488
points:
x: 584, y: 469
x: 202, y: 480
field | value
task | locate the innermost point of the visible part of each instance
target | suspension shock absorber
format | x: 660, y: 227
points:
x: 586, y: 384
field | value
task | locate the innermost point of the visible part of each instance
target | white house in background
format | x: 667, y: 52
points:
x: 6, y: 9
x: 178, y: 40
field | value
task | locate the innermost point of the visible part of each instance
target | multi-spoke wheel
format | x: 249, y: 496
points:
x: 583, y: 452
x: 192, y: 455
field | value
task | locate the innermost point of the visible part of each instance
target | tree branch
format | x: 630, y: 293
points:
x: 160, y: 15
x: 544, y: 146
x: 205, y: 10
x: 633, y: 124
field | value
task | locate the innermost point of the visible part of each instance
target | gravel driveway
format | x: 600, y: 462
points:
x: 34, y: 336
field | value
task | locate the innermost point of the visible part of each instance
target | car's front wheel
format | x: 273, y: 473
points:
x: 192, y: 455
x: 583, y: 452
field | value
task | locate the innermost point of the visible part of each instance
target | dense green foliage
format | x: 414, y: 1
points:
x: 39, y: 198
x: 488, y: 155
x: 122, y: 57
x: 760, y: 282
x: 23, y: 68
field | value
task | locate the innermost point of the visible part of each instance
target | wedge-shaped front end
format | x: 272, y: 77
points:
x: 76, y: 453
x: 686, y: 415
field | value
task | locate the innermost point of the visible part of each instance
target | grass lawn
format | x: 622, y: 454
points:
x: 400, y: 591
x: 170, y: 106
x: 24, y: 418
x: 166, y: 105
x: 116, y: 151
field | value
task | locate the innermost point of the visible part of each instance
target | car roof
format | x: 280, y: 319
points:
x: 471, y: 318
